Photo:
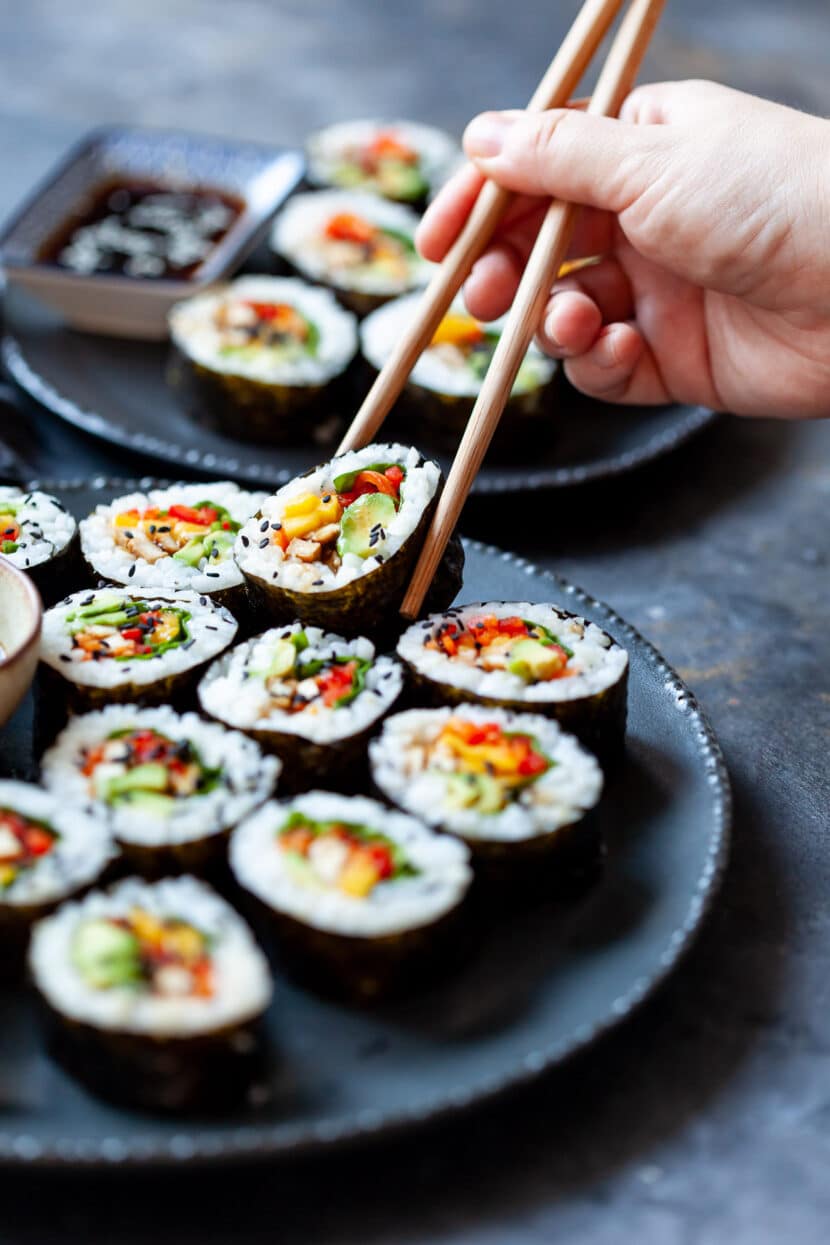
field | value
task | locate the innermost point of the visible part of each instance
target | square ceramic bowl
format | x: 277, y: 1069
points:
x: 260, y: 177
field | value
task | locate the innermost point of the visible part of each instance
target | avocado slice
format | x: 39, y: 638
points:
x: 283, y: 658
x: 191, y: 553
x: 533, y: 661
x: 364, y: 523
x: 402, y: 181
x: 149, y: 777
x: 105, y: 954
x: 481, y: 792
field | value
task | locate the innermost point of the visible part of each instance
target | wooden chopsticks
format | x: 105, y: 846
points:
x: 615, y: 82
x: 555, y: 89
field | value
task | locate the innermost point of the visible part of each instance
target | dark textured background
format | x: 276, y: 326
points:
x: 706, y: 1119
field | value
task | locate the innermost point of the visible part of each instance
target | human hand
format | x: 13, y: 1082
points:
x: 711, y: 209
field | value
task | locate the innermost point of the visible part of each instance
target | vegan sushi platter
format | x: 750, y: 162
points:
x: 234, y: 346
x: 279, y: 871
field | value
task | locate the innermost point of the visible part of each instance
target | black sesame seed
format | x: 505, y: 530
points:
x: 65, y: 657
x: 212, y: 574
x: 88, y: 600
x: 203, y: 600
x: 263, y: 527
x: 327, y: 499
x: 210, y: 627
x: 189, y: 643
x: 131, y: 571
x: 277, y: 527
x: 264, y: 542
x: 317, y: 583
x: 245, y: 541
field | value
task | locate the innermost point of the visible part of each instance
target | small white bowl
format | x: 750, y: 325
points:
x: 20, y: 617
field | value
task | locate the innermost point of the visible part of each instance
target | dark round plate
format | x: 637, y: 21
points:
x: 115, y: 389
x: 542, y: 985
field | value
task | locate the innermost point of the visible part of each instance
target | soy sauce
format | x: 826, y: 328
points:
x: 144, y: 230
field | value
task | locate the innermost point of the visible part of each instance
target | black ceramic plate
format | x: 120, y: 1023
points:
x: 542, y: 985
x: 115, y: 389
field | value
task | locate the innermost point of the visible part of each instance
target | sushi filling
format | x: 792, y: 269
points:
x: 350, y: 858
x: 147, y: 769
x: 9, y: 528
x: 350, y: 247
x: 524, y: 648
x: 123, y: 630
x: 484, y: 767
x: 166, y: 957
x: 276, y: 333
x: 353, y: 518
x: 385, y: 163
x: 23, y: 842
x: 297, y: 685
x: 198, y: 535
x: 463, y: 344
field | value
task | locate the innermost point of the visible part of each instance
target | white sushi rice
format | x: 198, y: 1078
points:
x: 46, y: 527
x: 326, y: 149
x: 114, y: 562
x: 270, y: 563
x: 560, y: 796
x: 242, y: 981
x: 263, y: 868
x: 442, y: 368
x: 81, y: 852
x: 302, y: 221
x: 246, y: 780
x: 598, y: 659
x: 210, y: 629
x: 194, y: 330
x: 233, y: 689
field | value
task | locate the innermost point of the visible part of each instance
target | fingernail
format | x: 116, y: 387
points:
x: 485, y: 134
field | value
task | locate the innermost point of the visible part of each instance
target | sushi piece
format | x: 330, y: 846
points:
x: 359, y: 245
x: 513, y: 786
x: 399, y: 160
x: 262, y: 358
x: 172, y: 539
x: 112, y: 645
x: 360, y: 899
x: 153, y: 994
x: 448, y: 375
x: 311, y: 698
x: 524, y: 657
x: 335, y: 548
x: 37, y: 534
x: 48, y: 852
x: 170, y: 786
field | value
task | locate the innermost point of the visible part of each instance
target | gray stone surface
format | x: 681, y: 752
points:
x: 707, y: 1118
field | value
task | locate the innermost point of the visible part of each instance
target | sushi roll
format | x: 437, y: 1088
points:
x: 513, y: 786
x: 262, y: 358
x: 359, y: 245
x: 172, y: 539
x: 49, y: 851
x: 399, y: 160
x: 335, y: 548
x: 311, y: 698
x: 153, y: 994
x: 170, y: 786
x: 524, y: 657
x: 37, y: 535
x: 360, y: 899
x: 112, y: 645
x: 448, y: 375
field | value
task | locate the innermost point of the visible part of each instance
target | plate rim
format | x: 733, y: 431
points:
x: 259, y: 1141
x: 693, y: 420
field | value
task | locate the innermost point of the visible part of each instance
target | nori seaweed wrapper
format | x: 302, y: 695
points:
x: 253, y: 410
x: 184, y: 1074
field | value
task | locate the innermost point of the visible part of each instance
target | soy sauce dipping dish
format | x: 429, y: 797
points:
x: 252, y: 179
x: 20, y: 618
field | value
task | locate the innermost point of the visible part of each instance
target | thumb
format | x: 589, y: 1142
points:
x: 568, y: 154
